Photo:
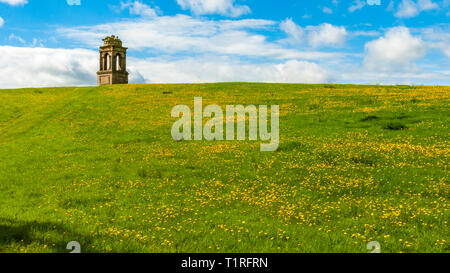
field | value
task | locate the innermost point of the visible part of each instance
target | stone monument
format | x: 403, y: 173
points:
x: 113, y: 62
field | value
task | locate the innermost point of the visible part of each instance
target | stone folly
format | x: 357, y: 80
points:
x: 113, y: 62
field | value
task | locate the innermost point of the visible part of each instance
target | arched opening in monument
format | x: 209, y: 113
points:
x: 118, y: 62
x: 104, y: 61
x: 108, y: 62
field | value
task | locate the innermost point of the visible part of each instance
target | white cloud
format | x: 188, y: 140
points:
x: 295, y: 32
x: 213, y: 69
x: 138, y: 8
x: 406, y: 9
x: 321, y: 35
x: 223, y: 7
x: 410, y: 8
x: 2, y: 22
x: 357, y: 5
x: 183, y: 34
x: 397, y: 50
x: 326, y: 35
x: 438, y: 37
x: 14, y: 2
x: 37, y: 67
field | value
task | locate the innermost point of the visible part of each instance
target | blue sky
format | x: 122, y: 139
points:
x: 54, y: 42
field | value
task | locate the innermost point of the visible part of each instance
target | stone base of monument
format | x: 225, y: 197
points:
x: 112, y: 77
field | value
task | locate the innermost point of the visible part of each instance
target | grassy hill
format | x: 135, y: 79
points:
x: 99, y: 166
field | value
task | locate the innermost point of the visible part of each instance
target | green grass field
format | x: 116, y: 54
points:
x: 99, y: 166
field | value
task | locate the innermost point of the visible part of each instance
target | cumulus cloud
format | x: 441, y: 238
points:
x: 316, y: 36
x: 222, y: 7
x: 2, y: 22
x: 38, y: 67
x: 14, y: 2
x: 213, y: 69
x: 397, y: 50
x: 410, y: 8
x: 326, y: 35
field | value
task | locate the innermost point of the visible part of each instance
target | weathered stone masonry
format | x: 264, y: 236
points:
x: 113, y: 62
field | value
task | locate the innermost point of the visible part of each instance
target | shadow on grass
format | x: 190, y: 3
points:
x: 34, y: 235
x: 291, y: 146
x: 369, y: 118
x: 395, y: 126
